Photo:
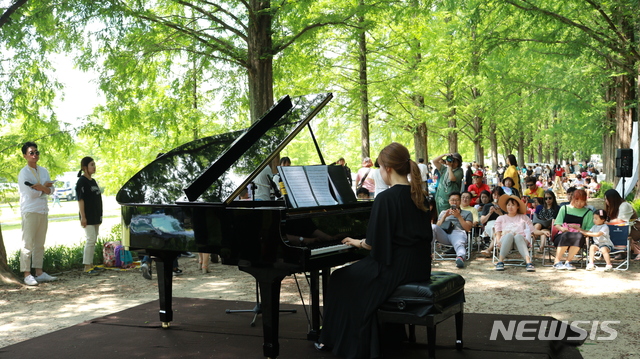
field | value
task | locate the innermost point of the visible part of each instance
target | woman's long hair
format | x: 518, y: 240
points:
x: 554, y: 204
x: 612, y: 203
x: 397, y: 156
x: 512, y: 160
x: 84, y: 163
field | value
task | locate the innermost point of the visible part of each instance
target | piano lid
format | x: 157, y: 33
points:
x: 216, y: 169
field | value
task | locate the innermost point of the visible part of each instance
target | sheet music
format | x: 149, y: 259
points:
x: 319, y: 180
x: 299, y: 189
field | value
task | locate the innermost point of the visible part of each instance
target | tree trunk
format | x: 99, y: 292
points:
x: 521, y: 151
x: 363, y: 87
x: 493, y: 139
x: 260, y: 47
x: 420, y: 142
x: 6, y: 276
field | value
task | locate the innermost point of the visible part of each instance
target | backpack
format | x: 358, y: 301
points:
x: 108, y: 253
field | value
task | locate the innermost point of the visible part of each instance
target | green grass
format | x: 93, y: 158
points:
x: 64, y: 258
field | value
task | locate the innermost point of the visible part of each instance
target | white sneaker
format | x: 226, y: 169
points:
x: 608, y: 268
x: 29, y: 280
x: 591, y: 266
x: 44, y: 277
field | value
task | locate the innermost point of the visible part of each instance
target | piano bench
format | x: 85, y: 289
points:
x: 427, y: 303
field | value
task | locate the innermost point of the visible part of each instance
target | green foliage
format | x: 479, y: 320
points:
x: 65, y: 258
x: 604, y: 187
x: 636, y: 206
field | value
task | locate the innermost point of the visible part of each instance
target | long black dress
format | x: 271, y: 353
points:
x: 400, y: 234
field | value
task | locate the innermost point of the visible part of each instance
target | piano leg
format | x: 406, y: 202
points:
x: 164, y: 267
x: 314, y: 288
x: 270, y: 281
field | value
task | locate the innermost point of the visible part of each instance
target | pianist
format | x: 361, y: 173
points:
x: 398, y: 235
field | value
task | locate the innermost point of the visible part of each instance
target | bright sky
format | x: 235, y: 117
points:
x: 80, y: 91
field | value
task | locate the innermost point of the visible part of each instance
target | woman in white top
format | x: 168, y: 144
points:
x: 620, y: 211
x: 380, y: 185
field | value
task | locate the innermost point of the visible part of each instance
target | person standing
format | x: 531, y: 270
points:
x: 34, y: 185
x: 347, y: 170
x: 512, y: 171
x: 449, y: 166
x: 424, y: 172
x: 90, y: 205
x: 364, y: 178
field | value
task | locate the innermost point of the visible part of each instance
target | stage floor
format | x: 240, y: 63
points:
x: 202, y: 329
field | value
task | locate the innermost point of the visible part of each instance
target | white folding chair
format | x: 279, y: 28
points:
x: 517, y: 262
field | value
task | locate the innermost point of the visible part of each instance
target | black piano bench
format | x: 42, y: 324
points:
x: 427, y: 303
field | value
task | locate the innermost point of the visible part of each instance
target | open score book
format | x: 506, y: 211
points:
x: 318, y: 185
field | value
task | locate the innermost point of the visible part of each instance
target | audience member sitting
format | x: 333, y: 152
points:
x: 578, y: 182
x: 591, y: 186
x: 544, y: 216
x: 509, y: 187
x: 571, y: 218
x: 601, y: 240
x: 363, y: 193
x: 532, y: 191
x: 477, y: 187
x: 491, y: 212
x: 465, y: 205
x: 456, y: 223
x: 620, y: 211
x: 485, y: 197
x: 514, y: 228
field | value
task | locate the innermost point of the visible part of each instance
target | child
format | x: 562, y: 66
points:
x: 601, y: 241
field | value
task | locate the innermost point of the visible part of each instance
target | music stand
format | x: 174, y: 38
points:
x: 257, y: 309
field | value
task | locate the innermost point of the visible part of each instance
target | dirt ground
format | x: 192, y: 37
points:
x: 28, y: 312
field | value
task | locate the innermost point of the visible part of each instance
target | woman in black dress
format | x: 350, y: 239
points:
x: 398, y: 235
x: 90, y: 205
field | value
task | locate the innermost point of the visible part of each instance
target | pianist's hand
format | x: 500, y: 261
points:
x: 350, y: 241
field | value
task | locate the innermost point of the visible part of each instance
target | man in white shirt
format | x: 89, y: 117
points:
x: 34, y: 185
x: 424, y: 172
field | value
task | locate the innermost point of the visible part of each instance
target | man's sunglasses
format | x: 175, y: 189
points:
x: 531, y: 184
x: 31, y: 153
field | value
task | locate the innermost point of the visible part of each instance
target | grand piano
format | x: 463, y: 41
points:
x: 188, y: 199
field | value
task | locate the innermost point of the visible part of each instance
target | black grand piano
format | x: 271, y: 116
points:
x: 188, y: 199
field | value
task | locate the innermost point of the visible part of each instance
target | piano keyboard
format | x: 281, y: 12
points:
x: 330, y: 249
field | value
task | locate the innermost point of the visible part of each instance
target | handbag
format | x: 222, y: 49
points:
x: 450, y: 229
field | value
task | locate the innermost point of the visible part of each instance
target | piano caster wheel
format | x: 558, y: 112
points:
x: 166, y: 325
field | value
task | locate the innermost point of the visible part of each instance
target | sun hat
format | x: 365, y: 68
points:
x: 502, y: 202
x: 456, y: 156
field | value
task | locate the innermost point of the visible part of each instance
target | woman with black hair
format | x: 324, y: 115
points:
x: 90, y: 204
x: 399, y: 237
x: 620, y: 211
x: 544, y: 215
x: 491, y: 212
x: 512, y: 171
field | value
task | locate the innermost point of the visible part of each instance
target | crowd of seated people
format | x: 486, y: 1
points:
x: 570, y: 221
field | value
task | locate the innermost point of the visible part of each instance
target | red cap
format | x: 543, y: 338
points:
x: 478, y: 174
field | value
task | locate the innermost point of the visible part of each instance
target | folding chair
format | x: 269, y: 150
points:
x: 517, y: 262
x: 440, y: 249
x: 549, y: 249
x: 621, y: 244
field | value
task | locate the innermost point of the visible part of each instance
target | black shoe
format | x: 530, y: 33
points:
x: 450, y: 251
x: 177, y: 272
